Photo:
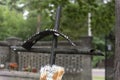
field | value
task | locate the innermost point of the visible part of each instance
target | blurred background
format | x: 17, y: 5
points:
x: 94, y: 18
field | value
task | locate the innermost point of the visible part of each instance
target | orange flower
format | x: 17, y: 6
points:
x: 13, y: 65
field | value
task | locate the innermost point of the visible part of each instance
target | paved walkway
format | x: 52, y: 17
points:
x: 98, y: 72
x: 15, y: 78
x: 95, y: 72
x: 14, y: 75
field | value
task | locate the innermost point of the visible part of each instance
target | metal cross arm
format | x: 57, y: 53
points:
x: 60, y: 51
x: 32, y: 40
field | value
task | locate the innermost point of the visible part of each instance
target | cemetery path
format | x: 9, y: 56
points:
x: 14, y: 78
x: 98, y: 72
x: 95, y: 72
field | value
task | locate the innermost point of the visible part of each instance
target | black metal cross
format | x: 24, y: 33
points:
x: 55, y: 33
x: 55, y: 36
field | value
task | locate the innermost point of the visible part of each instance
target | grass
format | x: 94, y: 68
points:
x: 98, y: 78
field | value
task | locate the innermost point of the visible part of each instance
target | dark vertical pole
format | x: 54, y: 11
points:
x: 106, y: 58
x: 55, y: 37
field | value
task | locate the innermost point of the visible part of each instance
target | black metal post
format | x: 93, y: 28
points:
x: 106, y: 42
x: 55, y: 36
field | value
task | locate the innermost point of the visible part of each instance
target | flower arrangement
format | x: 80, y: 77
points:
x: 2, y: 66
x: 53, y: 72
x: 13, y: 66
x: 29, y: 69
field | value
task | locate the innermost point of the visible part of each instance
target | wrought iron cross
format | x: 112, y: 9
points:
x: 55, y: 36
x: 55, y: 33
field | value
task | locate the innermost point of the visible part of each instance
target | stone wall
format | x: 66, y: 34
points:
x: 76, y: 66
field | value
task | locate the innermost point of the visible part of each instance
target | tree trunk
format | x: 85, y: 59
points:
x: 117, y: 42
x: 38, y: 23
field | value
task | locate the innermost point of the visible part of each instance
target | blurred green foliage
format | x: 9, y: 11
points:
x: 74, y: 18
